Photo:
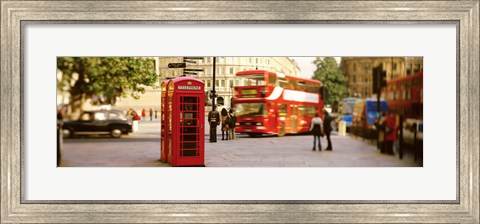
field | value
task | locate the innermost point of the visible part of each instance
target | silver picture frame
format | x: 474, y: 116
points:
x: 464, y: 14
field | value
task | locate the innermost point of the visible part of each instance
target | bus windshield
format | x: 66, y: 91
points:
x: 252, y: 80
x: 347, y: 106
x: 250, y: 109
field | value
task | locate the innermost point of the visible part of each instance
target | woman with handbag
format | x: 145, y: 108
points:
x: 390, y: 133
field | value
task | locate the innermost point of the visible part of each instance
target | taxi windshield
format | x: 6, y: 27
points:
x: 249, y: 109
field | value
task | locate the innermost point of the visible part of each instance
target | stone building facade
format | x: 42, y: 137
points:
x: 226, y: 68
x: 358, y: 71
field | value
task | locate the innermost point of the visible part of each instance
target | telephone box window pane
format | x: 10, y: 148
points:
x: 189, y: 145
x: 189, y: 138
x: 192, y: 130
x: 189, y: 153
x: 188, y: 122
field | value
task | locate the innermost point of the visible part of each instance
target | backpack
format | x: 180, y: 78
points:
x: 233, y: 121
x: 228, y: 121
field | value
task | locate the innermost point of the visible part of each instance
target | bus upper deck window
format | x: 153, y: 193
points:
x: 282, y: 82
x: 272, y: 80
x: 292, y: 84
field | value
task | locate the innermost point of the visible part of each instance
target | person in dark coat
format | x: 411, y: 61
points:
x: 214, y: 121
x: 327, y: 128
x: 316, y: 130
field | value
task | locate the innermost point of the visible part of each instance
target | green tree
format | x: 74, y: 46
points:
x: 103, y: 79
x: 332, y: 77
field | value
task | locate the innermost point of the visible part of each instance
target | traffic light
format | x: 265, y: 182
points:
x: 379, y: 78
x: 375, y: 78
x: 383, y: 78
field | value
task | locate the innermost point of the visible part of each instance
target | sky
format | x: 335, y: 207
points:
x: 306, y: 65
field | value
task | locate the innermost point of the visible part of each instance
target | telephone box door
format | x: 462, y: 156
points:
x: 191, y: 135
x: 188, y: 134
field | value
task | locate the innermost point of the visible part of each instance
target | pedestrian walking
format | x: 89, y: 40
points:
x: 316, y: 130
x: 155, y: 113
x: 131, y: 115
x: 233, y: 120
x: 327, y: 128
x: 214, y: 121
x: 224, y: 117
x: 143, y: 114
x: 390, y: 133
x: 151, y: 113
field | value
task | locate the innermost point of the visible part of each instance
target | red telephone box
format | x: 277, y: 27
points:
x: 185, y: 119
x: 163, y: 122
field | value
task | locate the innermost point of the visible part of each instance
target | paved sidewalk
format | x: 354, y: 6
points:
x: 142, y: 149
x: 296, y: 151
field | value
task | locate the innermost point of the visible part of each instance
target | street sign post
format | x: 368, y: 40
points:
x: 177, y: 65
x: 190, y: 61
x: 193, y: 70
x: 193, y: 58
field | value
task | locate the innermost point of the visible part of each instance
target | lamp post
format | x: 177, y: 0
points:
x: 213, y: 84
x: 213, y: 116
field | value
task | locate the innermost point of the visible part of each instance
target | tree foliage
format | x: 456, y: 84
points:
x: 332, y: 77
x: 103, y: 79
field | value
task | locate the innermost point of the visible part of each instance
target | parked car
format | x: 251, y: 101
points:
x: 410, y: 126
x: 111, y: 122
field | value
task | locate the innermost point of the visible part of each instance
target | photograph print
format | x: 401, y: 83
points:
x: 212, y: 111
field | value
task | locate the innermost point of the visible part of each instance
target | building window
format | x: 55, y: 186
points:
x: 207, y: 83
x: 217, y: 82
x: 367, y: 66
x: 256, y: 60
x: 231, y: 84
x: 231, y: 71
x: 354, y: 67
x: 394, y: 66
x: 223, y: 83
x: 417, y: 68
x: 354, y: 79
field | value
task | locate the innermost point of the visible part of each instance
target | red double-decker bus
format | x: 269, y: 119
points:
x: 405, y: 96
x: 275, y: 103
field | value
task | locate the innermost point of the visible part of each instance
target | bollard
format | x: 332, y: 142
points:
x: 135, y: 126
x: 342, y: 128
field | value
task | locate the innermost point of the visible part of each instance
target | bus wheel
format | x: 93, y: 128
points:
x: 282, y: 130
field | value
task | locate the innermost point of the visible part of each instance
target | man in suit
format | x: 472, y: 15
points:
x: 214, y: 121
